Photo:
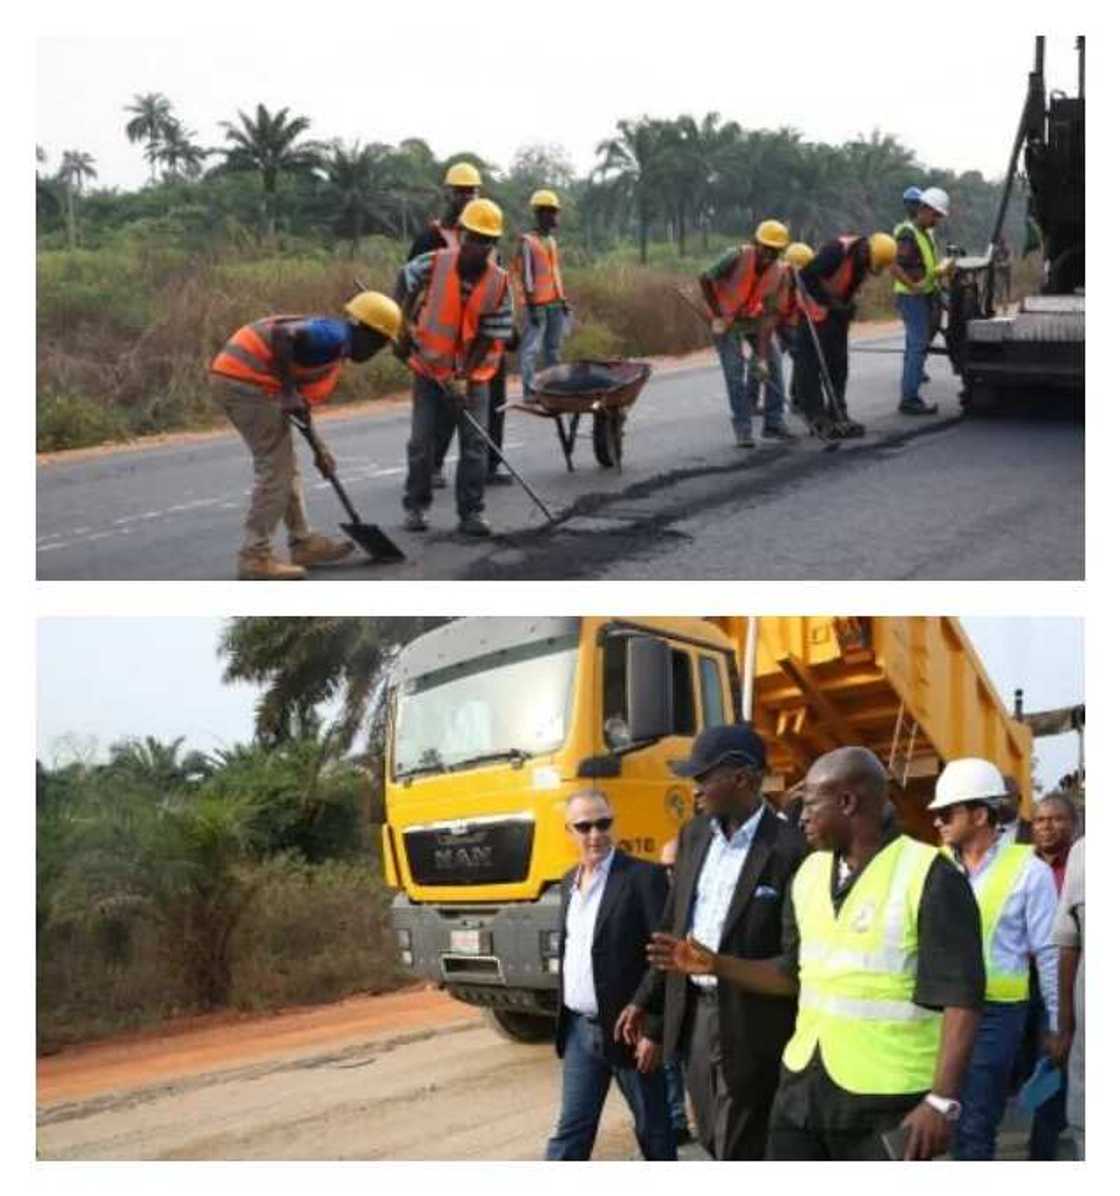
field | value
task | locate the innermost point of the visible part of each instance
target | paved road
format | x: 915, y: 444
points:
x: 931, y: 498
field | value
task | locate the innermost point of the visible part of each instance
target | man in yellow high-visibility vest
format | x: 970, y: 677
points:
x: 881, y: 945
x: 1017, y: 897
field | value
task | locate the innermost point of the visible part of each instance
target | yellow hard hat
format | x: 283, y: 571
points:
x: 884, y: 249
x: 482, y: 216
x: 376, y: 311
x: 544, y: 199
x: 462, y: 174
x: 773, y: 234
x: 799, y: 254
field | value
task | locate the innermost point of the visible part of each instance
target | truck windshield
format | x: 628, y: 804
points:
x: 510, y: 706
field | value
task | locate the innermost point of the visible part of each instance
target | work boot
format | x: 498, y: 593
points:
x: 318, y: 549
x: 261, y: 565
x: 778, y: 432
x: 917, y: 406
x: 743, y: 438
x: 498, y: 478
x: 439, y: 479
x: 415, y: 521
x: 473, y: 525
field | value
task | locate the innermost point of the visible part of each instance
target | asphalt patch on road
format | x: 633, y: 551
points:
x: 601, y: 528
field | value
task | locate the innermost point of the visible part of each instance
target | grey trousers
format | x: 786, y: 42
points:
x: 729, y: 1125
x: 277, y: 486
x: 433, y: 422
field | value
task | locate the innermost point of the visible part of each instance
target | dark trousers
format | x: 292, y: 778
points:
x: 434, y: 421
x: 986, y: 1082
x: 832, y: 333
x: 796, y: 1144
x: 495, y: 422
x: 730, y: 1124
x: 587, y: 1079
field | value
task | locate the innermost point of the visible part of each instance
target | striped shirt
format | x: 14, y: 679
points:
x: 497, y: 326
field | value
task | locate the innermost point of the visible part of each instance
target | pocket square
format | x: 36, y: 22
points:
x: 765, y: 891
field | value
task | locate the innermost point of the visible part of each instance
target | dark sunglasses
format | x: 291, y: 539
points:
x: 599, y: 824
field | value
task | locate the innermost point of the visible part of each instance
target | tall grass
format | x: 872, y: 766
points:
x: 312, y: 933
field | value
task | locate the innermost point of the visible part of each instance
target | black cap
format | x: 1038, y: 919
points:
x: 735, y: 744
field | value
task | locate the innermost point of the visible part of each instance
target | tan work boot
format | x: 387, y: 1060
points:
x: 320, y: 550
x: 263, y: 566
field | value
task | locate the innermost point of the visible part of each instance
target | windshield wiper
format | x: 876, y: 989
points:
x: 516, y: 756
x: 429, y: 765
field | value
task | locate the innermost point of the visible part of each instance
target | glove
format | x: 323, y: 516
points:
x: 719, y: 327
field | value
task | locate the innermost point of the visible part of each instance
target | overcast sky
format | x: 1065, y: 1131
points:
x: 101, y: 679
x: 492, y: 77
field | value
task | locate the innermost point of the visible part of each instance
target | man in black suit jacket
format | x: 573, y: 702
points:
x: 734, y: 864
x: 610, y: 905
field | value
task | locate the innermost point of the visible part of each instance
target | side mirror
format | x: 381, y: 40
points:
x: 649, y: 688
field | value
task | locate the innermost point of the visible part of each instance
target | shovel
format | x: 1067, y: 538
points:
x: 368, y: 536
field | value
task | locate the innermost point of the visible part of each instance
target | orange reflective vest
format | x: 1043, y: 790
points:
x: 838, y: 284
x: 446, y: 327
x: 247, y: 357
x: 743, y: 292
x: 548, y: 286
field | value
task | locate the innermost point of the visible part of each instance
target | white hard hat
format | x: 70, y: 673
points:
x: 970, y: 779
x: 934, y: 197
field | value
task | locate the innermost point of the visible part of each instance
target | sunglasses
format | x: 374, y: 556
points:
x: 585, y: 828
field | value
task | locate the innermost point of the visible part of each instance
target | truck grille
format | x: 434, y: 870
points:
x: 479, y: 852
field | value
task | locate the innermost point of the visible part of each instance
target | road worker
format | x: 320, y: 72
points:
x: 536, y: 269
x: 743, y: 292
x: 280, y: 366
x: 1018, y: 898
x: 917, y: 293
x: 881, y: 946
x: 796, y: 256
x: 828, y: 285
x: 461, y: 184
x: 911, y: 201
x: 459, y: 317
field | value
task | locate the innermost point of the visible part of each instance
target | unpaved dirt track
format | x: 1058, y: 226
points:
x: 408, y: 1076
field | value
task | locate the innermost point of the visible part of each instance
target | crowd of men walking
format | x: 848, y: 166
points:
x: 825, y: 985
x: 452, y: 319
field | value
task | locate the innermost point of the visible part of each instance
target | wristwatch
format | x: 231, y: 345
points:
x: 948, y: 1108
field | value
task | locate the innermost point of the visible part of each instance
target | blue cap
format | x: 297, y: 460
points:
x: 737, y: 743
x: 912, y: 195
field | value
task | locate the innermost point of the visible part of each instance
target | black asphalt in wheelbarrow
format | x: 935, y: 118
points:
x: 603, y: 389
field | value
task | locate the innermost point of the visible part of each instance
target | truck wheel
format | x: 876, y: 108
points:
x: 520, y: 1027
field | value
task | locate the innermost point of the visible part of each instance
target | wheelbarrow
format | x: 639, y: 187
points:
x: 605, y: 390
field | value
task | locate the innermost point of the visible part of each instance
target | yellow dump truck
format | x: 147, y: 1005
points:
x: 494, y: 722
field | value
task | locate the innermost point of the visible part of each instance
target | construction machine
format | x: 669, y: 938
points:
x: 1037, y: 350
x: 495, y: 722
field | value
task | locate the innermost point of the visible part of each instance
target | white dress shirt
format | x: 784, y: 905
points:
x: 717, y: 882
x: 583, y: 910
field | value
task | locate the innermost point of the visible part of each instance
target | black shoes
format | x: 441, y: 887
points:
x: 415, y: 521
x: 473, y: 525
x: 917, y: 407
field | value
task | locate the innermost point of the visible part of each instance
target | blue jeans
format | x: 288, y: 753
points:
x: 541, y: 341
x: 740, y: 393
x: 674, y: 1087
x: 914, y: 310
x: 587, y: 1078
x: 984, y: 1093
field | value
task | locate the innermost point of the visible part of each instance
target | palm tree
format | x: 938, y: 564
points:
x: 267, y: 144
x: 158, y: 765
x: 364, y: 180
x: 304, y: 663
x: 77, y: 166
x: 151, y: 116
x: 715, y: 144
x: 179, y: 153
x: 633, y: 162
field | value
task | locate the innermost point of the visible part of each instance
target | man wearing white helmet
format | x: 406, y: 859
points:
x: 918, y: 274
x: 1017, y: 898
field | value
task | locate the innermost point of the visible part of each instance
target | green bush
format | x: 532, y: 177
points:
x: 64, y: 421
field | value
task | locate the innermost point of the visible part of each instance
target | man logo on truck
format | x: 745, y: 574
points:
x: 448, y: 859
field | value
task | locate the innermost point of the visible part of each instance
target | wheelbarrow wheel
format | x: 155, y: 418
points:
x: 606, y: 438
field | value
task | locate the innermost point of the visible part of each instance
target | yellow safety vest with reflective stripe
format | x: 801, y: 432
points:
x: 927, y: 247
x: 857, y: 972
x: 991, y: 892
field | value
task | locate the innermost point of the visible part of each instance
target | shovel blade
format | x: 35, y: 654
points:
x: 373, y: 541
